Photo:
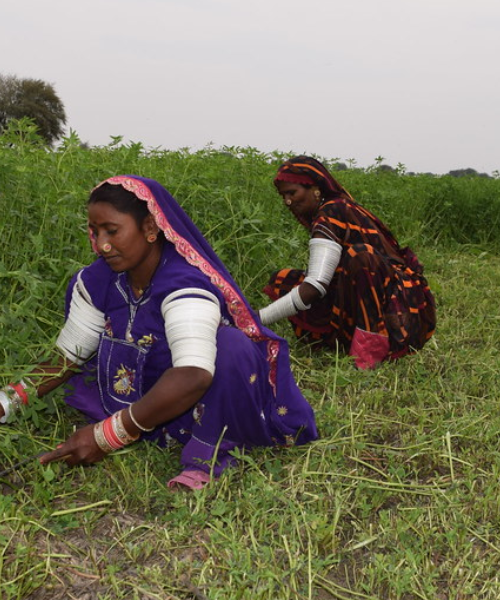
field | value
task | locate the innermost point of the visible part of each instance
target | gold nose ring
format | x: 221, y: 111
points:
x: 106, y: 247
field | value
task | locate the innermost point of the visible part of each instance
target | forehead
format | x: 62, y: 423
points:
x: 104, y: 212
x: 286, y: 186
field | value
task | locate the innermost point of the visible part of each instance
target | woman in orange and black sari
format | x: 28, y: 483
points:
x: 361, y: 291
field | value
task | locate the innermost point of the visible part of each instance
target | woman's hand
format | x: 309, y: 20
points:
x: 79, y: 449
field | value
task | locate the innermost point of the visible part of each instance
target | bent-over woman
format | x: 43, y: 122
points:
x: 159, y: 344
x: 361, y: 290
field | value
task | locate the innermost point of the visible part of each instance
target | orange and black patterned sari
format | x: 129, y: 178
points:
x: 378, y: 287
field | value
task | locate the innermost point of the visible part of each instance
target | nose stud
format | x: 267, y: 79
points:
x: 106, y: 247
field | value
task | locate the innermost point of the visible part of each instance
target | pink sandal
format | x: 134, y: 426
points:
x: 194, y: 480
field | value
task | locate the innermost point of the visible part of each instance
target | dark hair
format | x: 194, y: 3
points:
x: 120, y: 199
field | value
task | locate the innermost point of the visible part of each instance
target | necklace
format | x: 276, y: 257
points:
x: 133, y: 306
x: 135, y: 303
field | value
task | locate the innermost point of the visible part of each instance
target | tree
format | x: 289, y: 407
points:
x: 35, y: 99
x: 469, y: 172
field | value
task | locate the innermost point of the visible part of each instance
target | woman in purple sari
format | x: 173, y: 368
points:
x: 160, y: 344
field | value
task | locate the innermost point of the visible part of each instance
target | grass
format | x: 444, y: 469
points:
x: 397, y: 500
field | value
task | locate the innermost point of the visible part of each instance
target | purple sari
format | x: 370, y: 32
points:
x: 253, y: 399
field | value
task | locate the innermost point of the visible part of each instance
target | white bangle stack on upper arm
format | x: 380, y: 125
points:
x: 79, y: 338
x: 192, y: 317
x: 324, y: 257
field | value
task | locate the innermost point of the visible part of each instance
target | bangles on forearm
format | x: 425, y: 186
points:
x: 111, y: 434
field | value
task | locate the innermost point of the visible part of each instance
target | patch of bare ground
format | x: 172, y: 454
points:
x: 114, y: 560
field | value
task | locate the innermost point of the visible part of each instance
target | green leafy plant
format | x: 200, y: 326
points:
x: 398, y: 499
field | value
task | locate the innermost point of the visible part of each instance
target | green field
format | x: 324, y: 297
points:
x: 398, y: 500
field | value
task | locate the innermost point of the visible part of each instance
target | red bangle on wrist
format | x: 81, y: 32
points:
x: 110, y: 435
x: 20, y: 390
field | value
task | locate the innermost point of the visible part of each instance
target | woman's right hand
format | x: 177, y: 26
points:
x: 79, y: 449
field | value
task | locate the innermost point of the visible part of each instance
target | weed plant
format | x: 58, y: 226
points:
x: 397, y: 500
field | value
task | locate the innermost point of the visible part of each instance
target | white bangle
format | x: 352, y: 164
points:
x: 6, y: 404
x: 316, y: 284
x: 119, y: 429
x: 324, y: 257
x: 100, y: 438
x: 79, y: 338
x: 297, y: 300
x: 191, y: 326
x: 132, y: 418
x: 279, y: 309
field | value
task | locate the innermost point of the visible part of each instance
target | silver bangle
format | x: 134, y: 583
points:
x: 316, y: 284
x: 297, y: 300
x: 132, y: 418
x: 324, y: 258
x: 100, y: 439
x: 119, y: 428
x: 279, y: 309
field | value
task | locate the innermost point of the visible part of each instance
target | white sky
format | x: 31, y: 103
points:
x: 414, y: 81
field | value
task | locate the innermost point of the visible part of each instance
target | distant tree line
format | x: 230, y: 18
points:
x: 35, y: 99
x: 469, y: 172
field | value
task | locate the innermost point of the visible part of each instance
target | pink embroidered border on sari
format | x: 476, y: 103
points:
x: 236, y: 306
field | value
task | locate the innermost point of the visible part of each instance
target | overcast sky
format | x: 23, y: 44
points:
x: 414, y: 81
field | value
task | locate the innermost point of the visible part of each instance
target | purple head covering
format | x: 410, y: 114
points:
x: 188, y: 241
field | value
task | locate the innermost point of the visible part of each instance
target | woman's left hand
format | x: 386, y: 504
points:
x: 79, y: 449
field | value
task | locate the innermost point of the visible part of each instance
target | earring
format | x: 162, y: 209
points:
x: 152, y: 238
x: 317, y: 193
x: 106, y: 247
x: 288, y: 202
